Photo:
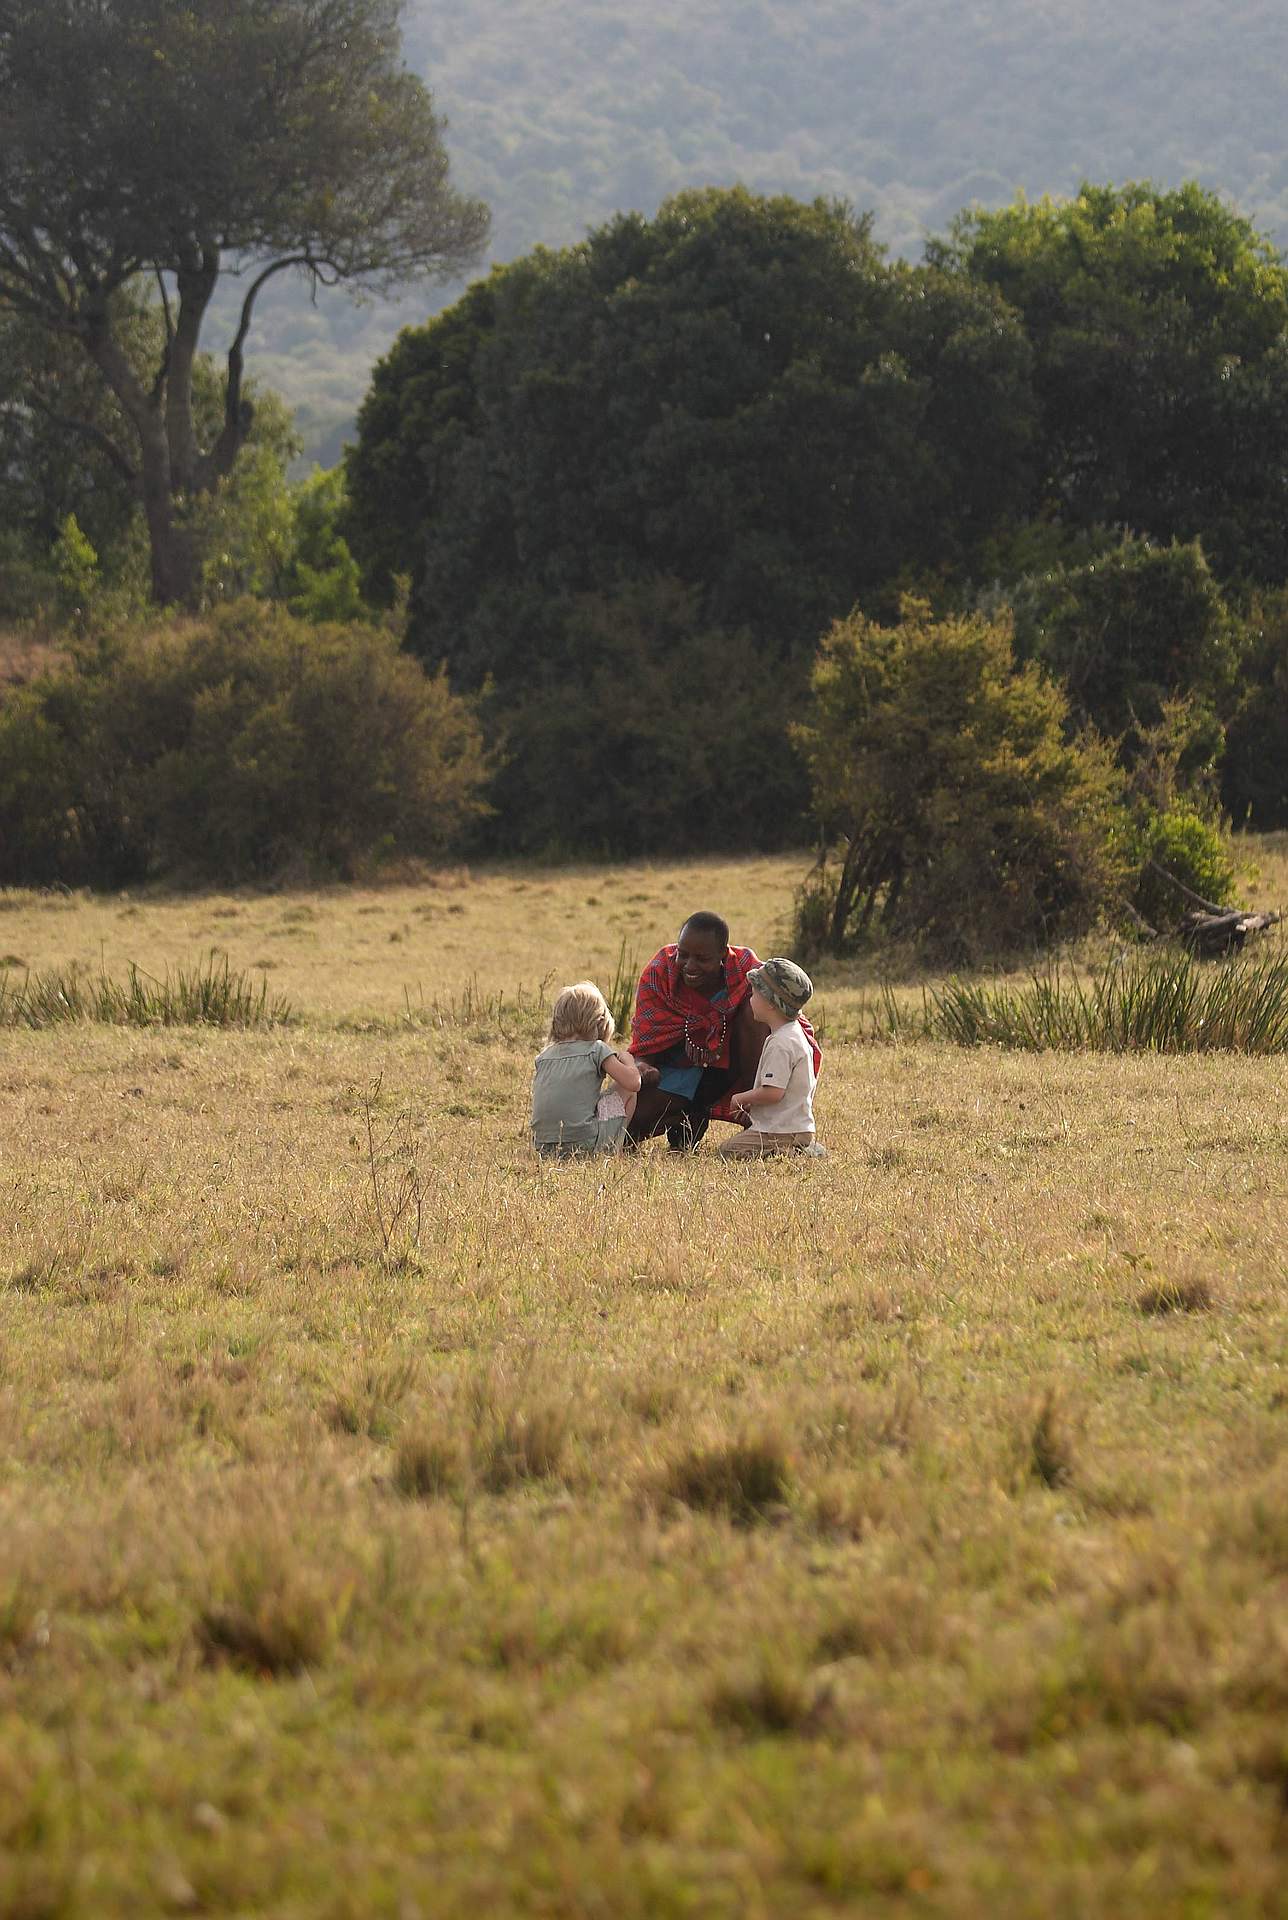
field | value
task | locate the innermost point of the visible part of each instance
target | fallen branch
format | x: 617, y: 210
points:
x: 1213, y: 934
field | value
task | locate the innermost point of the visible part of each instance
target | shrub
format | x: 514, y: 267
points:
x: 1193, y: 850
x: 26, y: 584
x: 76, y: 571
x: 40, y: 833
x: 965, y: 816
x: 221, y: 750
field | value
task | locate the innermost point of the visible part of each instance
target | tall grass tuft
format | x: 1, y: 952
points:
x: 208, y: 995
x: 274, y: 1616
x: 515, y: 1017
x: 518, y: 1016
x: 1047, y: 1443
x: 744, y: 1480
x: 1159, y: 1003
x: 620, y: 994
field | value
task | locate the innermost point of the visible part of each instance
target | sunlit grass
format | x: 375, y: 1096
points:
x: 901, y: 1532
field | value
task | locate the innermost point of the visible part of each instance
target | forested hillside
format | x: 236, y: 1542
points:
x: 563, y: 111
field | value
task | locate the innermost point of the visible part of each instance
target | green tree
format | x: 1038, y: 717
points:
x: 60, y: 428
x: 76, y: 571
x: 964, y: 815
x: 62, y: 435
x: 183, y: 139
x: 322, y: 581
x: 1158, y: 325
x: 741, y: 394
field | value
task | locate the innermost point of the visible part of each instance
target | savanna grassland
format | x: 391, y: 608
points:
x: 391, y: 1525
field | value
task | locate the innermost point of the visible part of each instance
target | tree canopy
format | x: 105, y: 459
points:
x: 180, y: 140
x: 1158, y: 324
x: 563, y: 114
x: 741, y: 394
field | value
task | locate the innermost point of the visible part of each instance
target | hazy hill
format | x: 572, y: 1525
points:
x: 563, y: 111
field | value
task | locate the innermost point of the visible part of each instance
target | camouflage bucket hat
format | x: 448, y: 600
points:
x: 784, y: 984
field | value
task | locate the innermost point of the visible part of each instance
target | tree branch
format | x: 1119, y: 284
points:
x: 165, y: 302
x: 163, y: 371
x: 88, y: 431
x: 219, y: 462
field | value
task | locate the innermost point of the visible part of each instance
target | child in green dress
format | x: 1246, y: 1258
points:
x: 570, y: 1116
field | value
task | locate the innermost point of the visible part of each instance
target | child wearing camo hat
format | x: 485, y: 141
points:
x: 781, y: 1103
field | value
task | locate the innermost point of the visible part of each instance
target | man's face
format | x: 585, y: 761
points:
x: 701, y: 959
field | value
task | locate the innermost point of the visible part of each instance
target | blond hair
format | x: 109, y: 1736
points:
x: 581, y: 1013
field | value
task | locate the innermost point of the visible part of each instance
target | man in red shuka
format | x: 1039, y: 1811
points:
x: 693, y: 1036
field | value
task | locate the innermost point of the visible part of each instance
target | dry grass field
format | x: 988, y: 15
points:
x: 391, y: 1525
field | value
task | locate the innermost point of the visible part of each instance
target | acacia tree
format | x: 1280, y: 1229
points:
x: 183, y: 140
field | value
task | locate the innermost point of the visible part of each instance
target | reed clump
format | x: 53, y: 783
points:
x: 1155, y: 1003
x: 210, y: 994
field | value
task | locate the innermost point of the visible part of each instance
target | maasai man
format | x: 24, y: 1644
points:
x: 693, y: 1037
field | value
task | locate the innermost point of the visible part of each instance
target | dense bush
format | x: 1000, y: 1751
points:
x: 224, y: 749
x: 638, y: 729
x: 964, y: 816
x: 1188, y: 845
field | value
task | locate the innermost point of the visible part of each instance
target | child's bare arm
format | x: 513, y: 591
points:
x: 757, y: 1097
x: 621, y: 1068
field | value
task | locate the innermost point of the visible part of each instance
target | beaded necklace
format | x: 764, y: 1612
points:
x: 700, y: 1054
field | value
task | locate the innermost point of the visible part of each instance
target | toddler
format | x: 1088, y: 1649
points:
x: 569, y: 1116
x: 781, y: 1103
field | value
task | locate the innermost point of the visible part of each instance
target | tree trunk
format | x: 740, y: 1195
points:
x: 175, y: 571
x: 196, y: 284
x: 847, y: 889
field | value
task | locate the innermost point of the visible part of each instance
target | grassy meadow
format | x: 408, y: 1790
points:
x: 391, y: 1525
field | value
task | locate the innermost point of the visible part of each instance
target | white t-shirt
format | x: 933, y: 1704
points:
x: 788, y: 1062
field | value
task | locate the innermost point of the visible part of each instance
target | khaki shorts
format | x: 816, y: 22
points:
x: 753, y: 1145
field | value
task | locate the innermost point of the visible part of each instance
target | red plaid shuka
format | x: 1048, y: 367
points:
x: 668, y: 1013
